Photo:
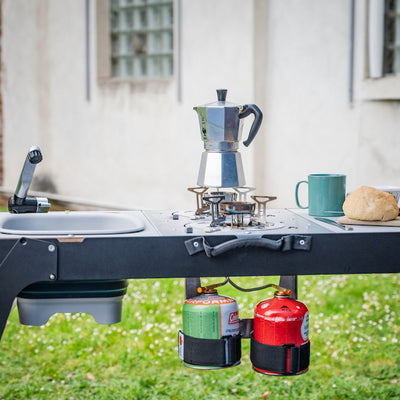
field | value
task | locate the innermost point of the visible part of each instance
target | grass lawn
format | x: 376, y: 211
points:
x: 355, y: 348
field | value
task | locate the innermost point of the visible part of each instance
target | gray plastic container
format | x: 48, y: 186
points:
x: 101, y: 299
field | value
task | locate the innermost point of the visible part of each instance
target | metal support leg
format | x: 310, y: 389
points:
x: 290, y: 282
x: 27, y: 262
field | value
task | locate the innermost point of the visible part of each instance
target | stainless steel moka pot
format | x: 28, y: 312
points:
x: 221, y: 130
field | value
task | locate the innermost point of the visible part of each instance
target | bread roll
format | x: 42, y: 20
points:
x: 370, y: 204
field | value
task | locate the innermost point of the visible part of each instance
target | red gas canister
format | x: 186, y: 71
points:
x: 280, y: 344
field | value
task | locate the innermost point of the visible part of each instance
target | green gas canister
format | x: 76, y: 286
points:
x: 210, y: 338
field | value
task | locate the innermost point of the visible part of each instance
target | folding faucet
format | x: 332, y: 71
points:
x: 19, y: 202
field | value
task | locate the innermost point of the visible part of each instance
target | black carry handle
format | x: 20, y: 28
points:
x: 258, y: 116
x: 285, y: 243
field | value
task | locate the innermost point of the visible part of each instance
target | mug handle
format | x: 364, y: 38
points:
x: 297, y: 194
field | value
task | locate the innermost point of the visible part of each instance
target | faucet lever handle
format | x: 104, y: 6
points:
x: 43, y: 205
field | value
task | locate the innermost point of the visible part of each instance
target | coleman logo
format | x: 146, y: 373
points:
x: 286, y: 309
x: 233, y: 318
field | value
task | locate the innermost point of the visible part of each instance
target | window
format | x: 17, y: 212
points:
x: 391, y: 57
x: 141, y: 40
x: 383, y: 53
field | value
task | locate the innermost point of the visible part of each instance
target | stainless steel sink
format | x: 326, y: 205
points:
x: 70, y: 223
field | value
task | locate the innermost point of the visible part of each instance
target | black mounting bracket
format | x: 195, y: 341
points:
x: 27, y: 261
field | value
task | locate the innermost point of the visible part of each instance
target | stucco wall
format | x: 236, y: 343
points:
x: 310, y: 126
x: 134, y: 144
x: 379, y: 143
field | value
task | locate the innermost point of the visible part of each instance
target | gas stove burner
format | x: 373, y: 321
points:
x: 237, y: 210
x: 225, y: 210
x: 243, y: 222
x: 203, y: 205
x: 237, y: 207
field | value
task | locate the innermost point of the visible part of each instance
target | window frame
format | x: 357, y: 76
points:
x: 381, y: 87
x: 103, y: 33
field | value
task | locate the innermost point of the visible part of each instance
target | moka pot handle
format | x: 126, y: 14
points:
x: 258, y: 116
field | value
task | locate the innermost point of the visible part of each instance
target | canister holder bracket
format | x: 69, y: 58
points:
x: 246, y: 325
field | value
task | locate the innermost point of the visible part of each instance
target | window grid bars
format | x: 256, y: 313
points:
x: 391, y: 59
x: 141, y: 38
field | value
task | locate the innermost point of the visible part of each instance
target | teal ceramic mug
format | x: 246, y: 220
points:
x: 326, y: 194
